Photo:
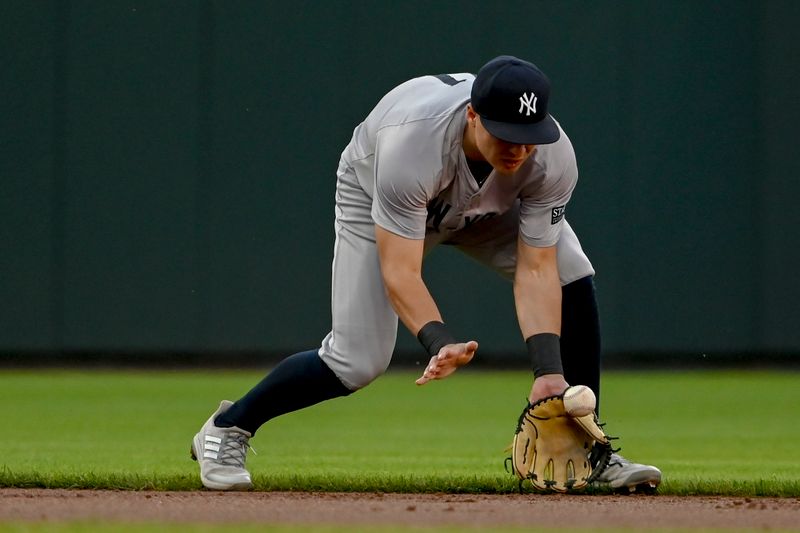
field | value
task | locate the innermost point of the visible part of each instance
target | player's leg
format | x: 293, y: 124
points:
x: 580, y: 320
x: 359, y: 347
x: 355, y: 352
x: 580, y: 351
x: 221, y: 444
x: 297, y: 382
x: 580, y: 334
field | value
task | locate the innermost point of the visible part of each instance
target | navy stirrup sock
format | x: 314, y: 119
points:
x: 580, y: 335
x: 299, y: 381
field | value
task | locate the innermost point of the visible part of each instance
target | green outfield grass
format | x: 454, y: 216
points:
x: 733, y: 433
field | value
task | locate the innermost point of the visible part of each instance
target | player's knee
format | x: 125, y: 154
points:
x: 357, y: 364
x: 359, y: 376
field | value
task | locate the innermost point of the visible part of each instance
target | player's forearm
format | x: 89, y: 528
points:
x: 537, y: 290
x: 411, y: 300
x: 537, y: 296
x: 538, y: 301
x: 401, y: 269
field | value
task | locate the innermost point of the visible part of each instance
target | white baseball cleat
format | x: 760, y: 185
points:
x: 622, y: 473
x: 221, y: 453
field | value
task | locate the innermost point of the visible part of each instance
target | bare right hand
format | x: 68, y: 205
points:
x: 448, y: 360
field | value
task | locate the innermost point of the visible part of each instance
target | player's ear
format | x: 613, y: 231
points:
x: 471, y: 115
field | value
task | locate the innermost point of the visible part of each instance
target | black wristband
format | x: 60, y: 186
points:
x: 433, y: 336
x: 545, y: 352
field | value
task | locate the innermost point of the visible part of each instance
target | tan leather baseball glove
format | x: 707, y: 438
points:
x: 556, y: 452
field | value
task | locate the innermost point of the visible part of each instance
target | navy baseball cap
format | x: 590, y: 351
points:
x: 511, y: 96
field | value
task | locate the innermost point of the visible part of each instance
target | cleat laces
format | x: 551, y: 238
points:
x: 234, y: 450
x: 618, y: 460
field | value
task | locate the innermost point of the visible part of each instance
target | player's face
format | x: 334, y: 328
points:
x: 505, y: 157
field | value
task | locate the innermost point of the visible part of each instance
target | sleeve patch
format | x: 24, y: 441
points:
x: 557, y: 214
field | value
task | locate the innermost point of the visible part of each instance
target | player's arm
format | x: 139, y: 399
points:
x: 401, y: 268
x: 537, y: 296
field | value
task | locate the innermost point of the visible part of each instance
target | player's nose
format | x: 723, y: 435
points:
x: 518, y: 150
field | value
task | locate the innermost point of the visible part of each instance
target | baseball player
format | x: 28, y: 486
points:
x: 474, y: 162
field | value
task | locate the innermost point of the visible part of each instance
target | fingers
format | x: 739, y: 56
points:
x: 470, y: 348
x: 458, y: 354
x: 448, y: 359
x: 431, y: 371
x: 425, y: 378
x: 457, y: 350
x: 547, y: 385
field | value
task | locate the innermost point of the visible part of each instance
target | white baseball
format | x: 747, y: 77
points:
x: 579, y: 400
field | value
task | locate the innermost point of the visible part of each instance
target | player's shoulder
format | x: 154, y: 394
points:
x: 557, y: 157
x: 426, y: 97
x: 420, y: 121
x: 453, y: 83
x: 555, y: 162
x: 438, y: 85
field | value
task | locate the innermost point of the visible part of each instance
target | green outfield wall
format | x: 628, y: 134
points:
x: 167, y: 167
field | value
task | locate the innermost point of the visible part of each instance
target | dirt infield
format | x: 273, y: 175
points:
x: 400, y: 509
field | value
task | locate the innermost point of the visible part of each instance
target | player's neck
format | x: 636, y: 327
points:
x: 469, y: 146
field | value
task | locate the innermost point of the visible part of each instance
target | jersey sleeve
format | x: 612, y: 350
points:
x: 403, y: 183
x: 542, y: 207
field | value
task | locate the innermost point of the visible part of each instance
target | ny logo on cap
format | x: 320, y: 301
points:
x: 527, y: 102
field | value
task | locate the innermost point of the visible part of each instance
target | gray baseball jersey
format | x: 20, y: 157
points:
x: 405, y: 170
